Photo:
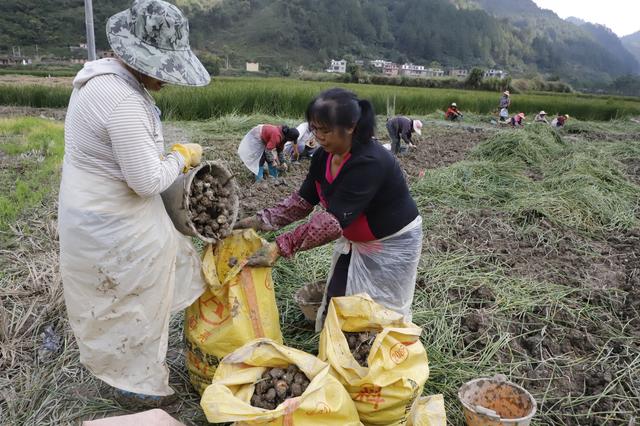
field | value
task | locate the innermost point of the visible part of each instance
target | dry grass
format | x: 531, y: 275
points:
x: 484, y: 309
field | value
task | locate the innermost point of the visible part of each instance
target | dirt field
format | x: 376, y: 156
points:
x: 554, y: 308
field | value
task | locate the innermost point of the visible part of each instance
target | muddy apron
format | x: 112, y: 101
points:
x: 385, y: 269
x: 251, y: 149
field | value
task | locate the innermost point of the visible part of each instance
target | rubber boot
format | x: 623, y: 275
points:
x: 273, y: 171
x: 260, y: 174
x: 138, y: 401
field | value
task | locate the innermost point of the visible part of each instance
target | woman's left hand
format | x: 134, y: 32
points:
x: 267, y: 255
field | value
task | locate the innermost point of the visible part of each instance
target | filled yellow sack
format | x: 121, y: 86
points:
x: 385, y: 391
x: 428, y: 411
x: 227, y: 399
x: 238, y: 306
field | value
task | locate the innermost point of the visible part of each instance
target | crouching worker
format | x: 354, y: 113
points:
x: 453, y: 113
x: 560, y: 120
x: 265, y: 144
x: 125, y: 268
x: 401, y: 128
x: 367, y: 208
x: 517, y: 120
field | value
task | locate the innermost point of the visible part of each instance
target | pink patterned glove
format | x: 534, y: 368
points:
x: 322, y: 228
x: 287, y: 211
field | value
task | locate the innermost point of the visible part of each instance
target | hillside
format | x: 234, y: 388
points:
x: 286, y: 33
x: 632, y: 44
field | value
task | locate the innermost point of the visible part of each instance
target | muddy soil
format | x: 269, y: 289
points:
x: 278, y: 384
x: 605, y: 273
x: 19, y: 111
x: 437, y: 148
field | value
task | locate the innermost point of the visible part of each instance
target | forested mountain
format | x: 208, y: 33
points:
x: 515, y: 35
x: 632, y: 44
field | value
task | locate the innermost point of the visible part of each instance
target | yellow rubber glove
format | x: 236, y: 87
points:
x: 192, y: 153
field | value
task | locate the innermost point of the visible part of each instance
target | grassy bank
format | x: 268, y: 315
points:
x: 288, y: 97
x: 31, y: 153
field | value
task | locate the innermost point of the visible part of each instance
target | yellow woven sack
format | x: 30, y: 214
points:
x: 324, y: 402
x: 429, y: 411
x: 385, y: 391
x: 238, y: 306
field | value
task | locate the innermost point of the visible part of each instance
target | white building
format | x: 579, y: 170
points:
x: 252, y: 66
x: 434, y: 72
x: 390, y: 69
x: 380, y: 63
x: 459, y: 73
x: 339, y: 67
x: 495, y: 74
x: 412, y: 70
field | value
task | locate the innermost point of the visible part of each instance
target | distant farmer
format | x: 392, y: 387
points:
x: 453, y: 113
x: 306, y: 144
x: 401, y: 128
x: 517, y: 120
x: 560, y: 120
x: 505, y: 103
x: 125, y: 268
x: 265, y: 144
x: 541, y: 117
x: 367, y: 208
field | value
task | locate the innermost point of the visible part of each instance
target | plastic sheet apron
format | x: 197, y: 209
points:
x: 251, y: 149
x: 124, y: 268
x: 385, y: 269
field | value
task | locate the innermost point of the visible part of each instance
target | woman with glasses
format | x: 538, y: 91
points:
x: 366, y: 207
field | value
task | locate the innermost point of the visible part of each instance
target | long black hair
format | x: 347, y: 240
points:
x: 340, y: 108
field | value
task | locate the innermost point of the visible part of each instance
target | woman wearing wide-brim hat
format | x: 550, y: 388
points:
x: 124, y: 266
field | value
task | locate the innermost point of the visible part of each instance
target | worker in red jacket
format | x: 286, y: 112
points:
x: 265, y: 144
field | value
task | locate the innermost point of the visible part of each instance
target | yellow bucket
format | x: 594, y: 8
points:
x: 494, y: 401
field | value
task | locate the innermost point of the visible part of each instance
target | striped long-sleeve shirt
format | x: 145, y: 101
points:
x: 112, y: 129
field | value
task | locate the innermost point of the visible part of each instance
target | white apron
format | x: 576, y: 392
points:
x: 124, y: 268
x: 385, y: 269
x: 251, y: 149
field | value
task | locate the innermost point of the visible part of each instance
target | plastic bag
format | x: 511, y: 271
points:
x: 324, y: 402
x: 429, y: 411
x: 384, y: 392
x: 238, y: 306
x: 384, y: 269
x: 251, y: 149
x: 504, y: 113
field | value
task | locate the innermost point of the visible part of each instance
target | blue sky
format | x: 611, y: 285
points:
x: 622, y: 16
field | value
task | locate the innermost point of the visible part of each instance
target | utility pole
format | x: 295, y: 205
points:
x: 91, y: 42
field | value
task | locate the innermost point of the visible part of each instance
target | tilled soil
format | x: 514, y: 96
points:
x: 360, y: 345
x: 586, y: 360
x: 437, y: 147
x: 278, y: 384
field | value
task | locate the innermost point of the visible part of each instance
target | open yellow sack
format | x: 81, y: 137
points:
x: 227, y: 399
x: 238, y: 306
x: 428, y: 411
x: 384, y: 392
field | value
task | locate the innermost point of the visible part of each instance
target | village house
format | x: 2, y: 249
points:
x: 491, y: 73
x: 391, y: 69
x: 339, y: 67
x: 434, y: 72
x: 252, y: 66
x: 412, y: 70
x: 458, y: 73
